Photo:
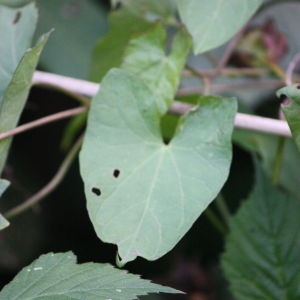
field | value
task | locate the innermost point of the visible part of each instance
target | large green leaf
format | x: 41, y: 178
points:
x: 146, y: 57
x: 78, y: 26
x: 213, y: 22
x: 17, y: 29
x: 262, y: 254
x: 57, y: 276
x: 109, y: 51
x: 142, y: 194
x: 3, y: 186
x: 291, y: 109
x: 15, y: 95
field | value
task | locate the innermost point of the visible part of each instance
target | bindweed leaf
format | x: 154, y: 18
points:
x: 143, y: 194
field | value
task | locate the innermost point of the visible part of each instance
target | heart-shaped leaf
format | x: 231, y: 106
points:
x: 57, y: 276
x: 213, y: 22
x: 142, y: 194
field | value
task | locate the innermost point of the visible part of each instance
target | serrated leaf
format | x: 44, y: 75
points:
x: 263, y: 247
x: 15, y: 95
x: 3, y: 186
x: 17, y: 29
x: 142, y: 194
x: 57, y: 276
x: 213, y: 22
x: 291, y: 109
x: 146, y: 57
x: 109, y: 51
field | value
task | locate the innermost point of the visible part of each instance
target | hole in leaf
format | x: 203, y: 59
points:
x: 96, y: 191
x: 283, y: 97
x: 116, y: 173
x: 298, y: 86
x: 17, y: 17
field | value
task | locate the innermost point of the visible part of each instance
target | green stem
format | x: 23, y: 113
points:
x: 278, y: 161
x: 50, y: 186
x: 223, y: 208
x: 215, y: 221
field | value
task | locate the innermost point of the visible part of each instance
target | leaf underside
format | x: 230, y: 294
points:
x: 142, y: 194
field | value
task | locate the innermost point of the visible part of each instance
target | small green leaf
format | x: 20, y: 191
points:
x: 263, y: 248
x: 146, y: 57
x: 109, y: 51
x: 15, y: 95
x: 291, y: 109
x: 142, y: 194
x: 213, y: 22
x: 3, y: 186
x: 15, y: 3
x: 57, y: 276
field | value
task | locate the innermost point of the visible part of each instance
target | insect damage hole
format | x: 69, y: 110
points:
x: 17, y: 17
x: 116, y: 173
x: 96, y: 191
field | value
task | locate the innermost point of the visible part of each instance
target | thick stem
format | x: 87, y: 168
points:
x: 242, y: 120
x: 50, y: 186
